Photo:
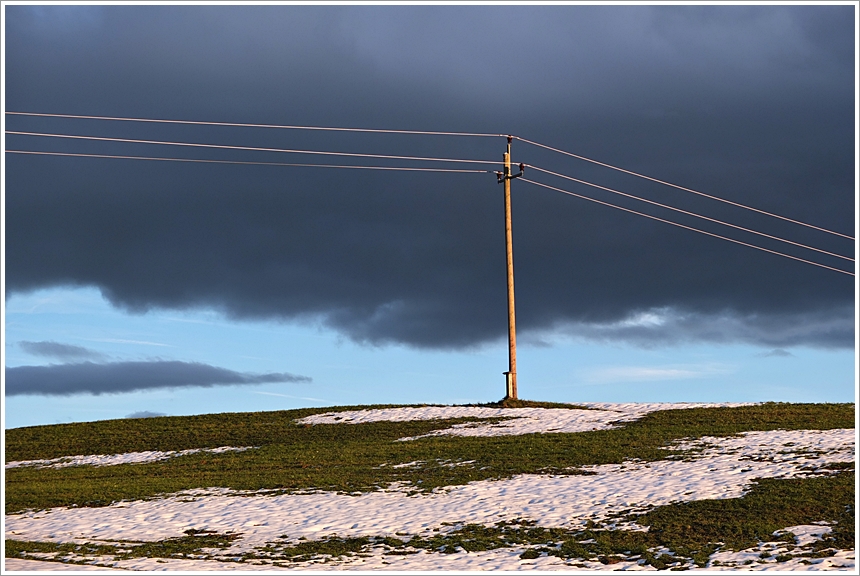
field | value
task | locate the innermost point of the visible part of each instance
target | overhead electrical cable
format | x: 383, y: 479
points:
x: 688, y: 212
x: 295, y: 164
x: 533, y: 143
x: 422, y: 132
x: 683, y: 226
x: 384, y: 156
x: 251, y: 148
x: 248, y: 125
x: 393, y: 157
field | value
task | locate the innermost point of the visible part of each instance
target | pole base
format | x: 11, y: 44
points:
x: 510, y: 389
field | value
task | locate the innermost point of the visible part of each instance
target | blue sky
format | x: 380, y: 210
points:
x: 559, y: 369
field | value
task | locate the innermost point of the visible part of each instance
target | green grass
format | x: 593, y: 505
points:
x: 194, y: 544
x: 163, y: 433
x: 772, y: 504
x: 348, y: 457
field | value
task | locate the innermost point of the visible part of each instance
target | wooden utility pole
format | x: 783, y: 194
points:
x: 511, y: 374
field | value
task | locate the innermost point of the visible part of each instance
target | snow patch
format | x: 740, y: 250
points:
x: 116, y: 459
x: 598, y: 416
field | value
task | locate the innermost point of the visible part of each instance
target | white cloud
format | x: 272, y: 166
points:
x: 288, y: 396
x: 612, y: 374
x: 649, y: 319
x: 124, y: 341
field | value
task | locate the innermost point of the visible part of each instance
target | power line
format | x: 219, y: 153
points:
x: 251, y: 148
x: 688, y: 212
x: 682, y: 187
x: 358, y: 167
x: 247, y: 125
x: 684, y: 226
x: 419, y: 132
x: 418, y: 158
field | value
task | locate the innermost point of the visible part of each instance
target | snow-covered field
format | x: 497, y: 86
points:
x: 717, y: 468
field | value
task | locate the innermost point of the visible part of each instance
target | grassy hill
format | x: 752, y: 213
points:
x: 287, y: 457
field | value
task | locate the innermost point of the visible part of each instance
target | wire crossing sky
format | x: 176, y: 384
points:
x: 414, y: 158
x: 688, y: 212
x: 251, y: 148
x: 421, y: 132
x: 685, y: 227
x: 412, y: 169
x: 247, y: 125
x: 293, y: 164
x: 683, y: 188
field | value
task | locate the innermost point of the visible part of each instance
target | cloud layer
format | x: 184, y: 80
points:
x: 93, y: 378
x: 751, y: 103
x: 58, y: 350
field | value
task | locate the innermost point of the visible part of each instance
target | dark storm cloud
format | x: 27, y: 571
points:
x: 58, y: 350
x: 93, y: 378
x: 751, y: 103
